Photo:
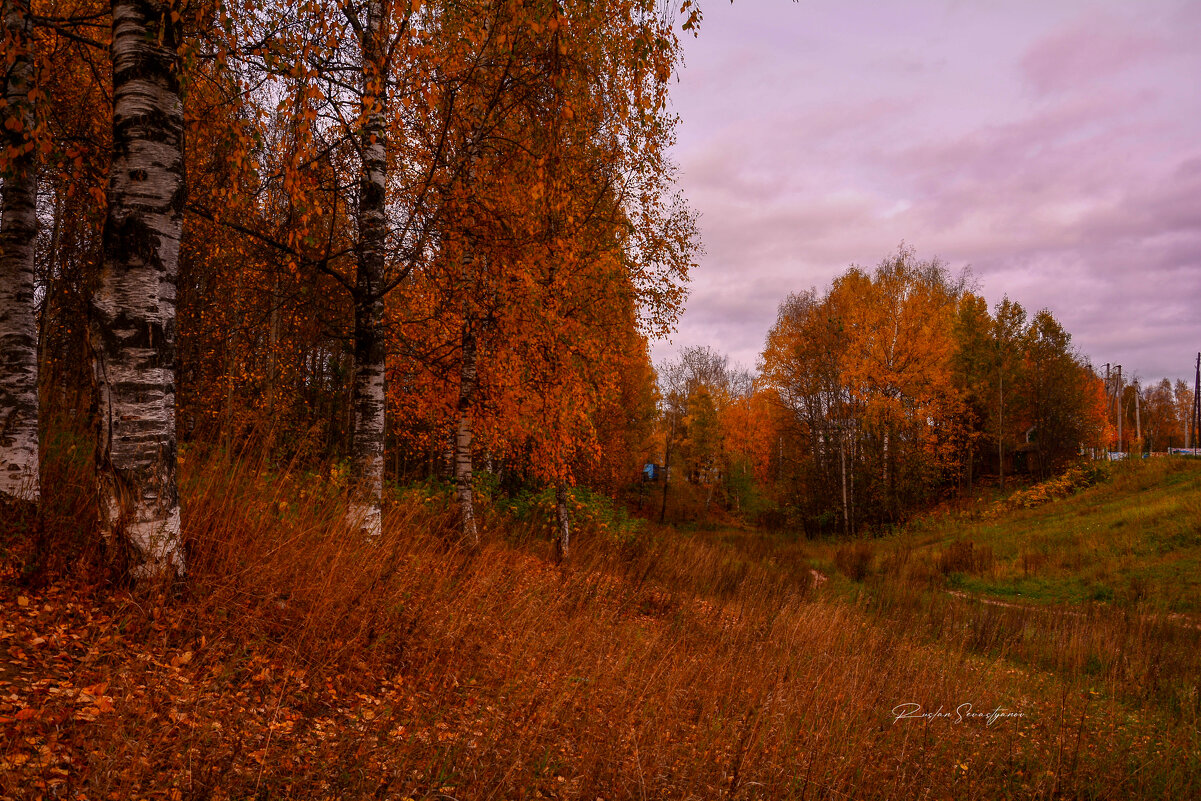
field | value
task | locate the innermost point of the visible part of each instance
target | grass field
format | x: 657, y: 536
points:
x: 1133, y: 540
x: 301, y: 663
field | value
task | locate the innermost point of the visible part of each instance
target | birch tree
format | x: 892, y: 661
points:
x: 132, y: 325
x: 18, y: 229
x: 367, y: 399
x: 364, y: 76
x: 337, y: 66
x: 464, y: 432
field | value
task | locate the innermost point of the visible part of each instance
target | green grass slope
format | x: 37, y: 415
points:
x: 1133, y: 540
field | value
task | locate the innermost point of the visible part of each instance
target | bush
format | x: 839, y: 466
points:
x: 1033, y: 561
x: 1071, y: 481
x: 965, y: 557
x: 432, y: 493
x: 591, y: 513
x: 854, y: 560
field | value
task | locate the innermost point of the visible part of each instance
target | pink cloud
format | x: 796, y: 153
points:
x: 1088, y: 52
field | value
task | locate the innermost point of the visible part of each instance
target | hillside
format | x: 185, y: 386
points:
x: 1132, y: 540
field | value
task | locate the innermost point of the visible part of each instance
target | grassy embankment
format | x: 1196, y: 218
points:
x: 1133, y: 540
x: 300, y: 662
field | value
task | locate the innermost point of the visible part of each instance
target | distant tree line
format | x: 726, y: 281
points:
x: 893, y: 388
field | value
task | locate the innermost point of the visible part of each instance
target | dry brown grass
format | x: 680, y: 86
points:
x: 301, y: 662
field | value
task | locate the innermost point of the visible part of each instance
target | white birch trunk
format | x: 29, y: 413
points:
x: 563, y: 541
x: 132, y: 325
x: 18, y: 230
x: 463, y: 438
x: 367, y: 401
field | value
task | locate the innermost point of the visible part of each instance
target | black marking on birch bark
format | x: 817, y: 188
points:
x: 132, y: 312
x: 18, y: 232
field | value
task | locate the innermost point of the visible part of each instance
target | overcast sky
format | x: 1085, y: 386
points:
x: 1053, y: 146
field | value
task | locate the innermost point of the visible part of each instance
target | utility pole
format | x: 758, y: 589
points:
x: 1118, y: 392
x: 1138, y: 421
x: 1196, y: 402
x: 1108, y: 401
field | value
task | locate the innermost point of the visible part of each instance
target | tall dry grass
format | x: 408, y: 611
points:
x: 302, y: 662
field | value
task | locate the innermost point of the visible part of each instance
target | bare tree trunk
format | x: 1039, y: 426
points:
x: 563, y: 541
x: 463, y: 438
x: 1001, y: 429
x: 132, y: 314
x: 851, y: 483
x: 18, y: 230
x: 887, y: 479
x: 884, y: 460
x: 272, y: 347
x: 891, y: 488
x: 666, y: 472
x: 367, y: 449
x: 842, y: 458
x: 970, y: 459
x: 227, y: 427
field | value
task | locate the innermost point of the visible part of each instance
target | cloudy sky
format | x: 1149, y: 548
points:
x: 1052, y: 146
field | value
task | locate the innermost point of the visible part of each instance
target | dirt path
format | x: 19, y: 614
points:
x: 1175, y: 618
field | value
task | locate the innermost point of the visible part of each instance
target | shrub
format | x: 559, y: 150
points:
x: 1071, y: 481
x: 854, y: 560
x: 1032, y: 561
x: 592, y: 513
x: 965, y: 557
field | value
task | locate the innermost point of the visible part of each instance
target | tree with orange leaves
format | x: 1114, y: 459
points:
x: 562, y: 246
x: 865, y: 372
